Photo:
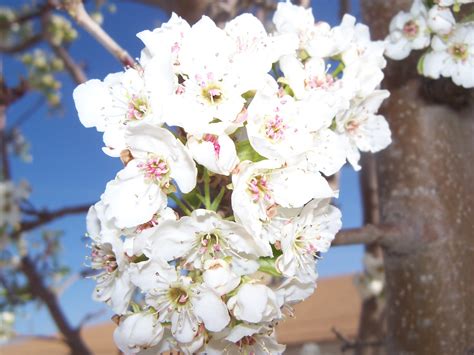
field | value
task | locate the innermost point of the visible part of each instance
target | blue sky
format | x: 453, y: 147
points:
x: 69, y: 167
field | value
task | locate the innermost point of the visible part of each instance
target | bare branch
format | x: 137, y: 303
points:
x: 365, y: 235
x: 30, y: 14
x: 78, y: 12
x: 72, y: 67
x: 91, y: 316
x: 21, y: 46
x: 45, y: 216
x: 4, y: 145
x: 348, y: 344
x: 344, y: 8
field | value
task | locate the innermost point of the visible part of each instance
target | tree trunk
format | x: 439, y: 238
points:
x: 426, y: 178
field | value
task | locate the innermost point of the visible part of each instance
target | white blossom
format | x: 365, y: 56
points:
x: 109, y: 260
x: 139, y: 190
x: 255, y: 303
x: 138, y: 331
x: 306, y: 237
x: 441, y: 20
x: 408, y: 31
x: 362, y: 129
x: 200, y: 120
x: 179, y: 300
x: 452, y: 56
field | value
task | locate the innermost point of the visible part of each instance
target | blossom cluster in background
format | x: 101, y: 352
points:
x: 7, y: 322
x: 450, y: 41
x: 11, y: 196
x: 240, y: 129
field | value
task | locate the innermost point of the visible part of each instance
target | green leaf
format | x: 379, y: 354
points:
x: 245, y: 151
x: 267, y: 265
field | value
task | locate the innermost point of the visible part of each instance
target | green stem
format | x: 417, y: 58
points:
x: 338, y: 70
x: 207, y: 190
x: 180, y: 204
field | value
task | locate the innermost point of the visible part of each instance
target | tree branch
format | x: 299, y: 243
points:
x: 21, y: 46
x: 45, y: 216
x: 42, y: 292
x: 30, y: 15
x: 71, y: 66
x: 370, y: 233
x: 6, y: 175
x: 77, y: 11
x: 348, y: 344
x: 344, y: 8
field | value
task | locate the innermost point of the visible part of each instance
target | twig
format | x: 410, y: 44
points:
x: 71, y: 66
x: 348, y: 344
x: 30, y: 15
x: 77, y: 11
x: 6, y: 175
x: 21, y: 46
x: 45, y: 216
x: 90, y: 316
x: 344, y: 8
x: 370, y: 233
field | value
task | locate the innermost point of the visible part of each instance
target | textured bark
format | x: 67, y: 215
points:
x: 426, y: 178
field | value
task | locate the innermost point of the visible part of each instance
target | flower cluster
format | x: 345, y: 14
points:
x: 240, y: 128
x: 434, y: 25
x: 7, y: 322
x: 11, y: 196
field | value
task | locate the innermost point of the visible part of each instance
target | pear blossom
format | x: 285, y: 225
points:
x: 244, y: 155
x: 11, y: 195
x: 139, y: 189
x: 254, y: 303
x: 261, y: 187
x: 179, y: 300
x: 138, y: 331
x: 452, y: 56
x: 205, y: 236
x: 286, y: 130
x: 315, y: 39
x: 246, y: 339
x: 255, y: 51
x: 109, y: 260
x: 441, y: 20
x: 7, y: 322
x: 216, y: 153
x: 125, y: 99
x: 306, y: 237
x: 219, y: 276
x: 166, y: 39
x: 408, y: 31
x: 362, y: 129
